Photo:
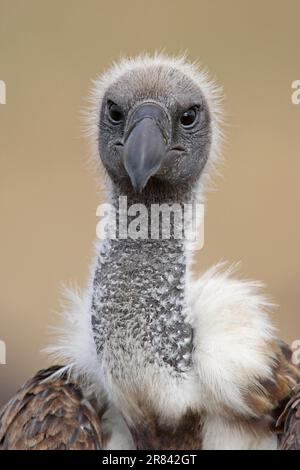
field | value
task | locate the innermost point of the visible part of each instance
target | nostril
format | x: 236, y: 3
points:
x: 119, y: 144
x: 179, y: 148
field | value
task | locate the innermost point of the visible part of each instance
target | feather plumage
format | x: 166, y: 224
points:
x: 50, y: 412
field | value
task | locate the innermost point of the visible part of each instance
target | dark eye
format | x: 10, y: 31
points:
x: 115, y: 112
x: 188, y: 118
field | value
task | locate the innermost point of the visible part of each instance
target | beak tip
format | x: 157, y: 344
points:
x: 138, y: 184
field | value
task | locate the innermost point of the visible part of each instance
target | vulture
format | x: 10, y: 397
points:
x: 148, y: 356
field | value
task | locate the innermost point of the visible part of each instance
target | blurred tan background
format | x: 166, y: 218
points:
x: 49, y: 51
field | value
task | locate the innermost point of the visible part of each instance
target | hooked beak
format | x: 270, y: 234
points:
x: 146, y: 139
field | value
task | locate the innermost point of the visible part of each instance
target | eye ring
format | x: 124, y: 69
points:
x: 188, y: 118
x: 115, y: 113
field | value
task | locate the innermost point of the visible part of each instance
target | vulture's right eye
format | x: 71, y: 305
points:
x: 115, y: 113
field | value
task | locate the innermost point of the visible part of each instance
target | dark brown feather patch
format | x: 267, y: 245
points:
x: 289, y: 420
x: 50, y: 413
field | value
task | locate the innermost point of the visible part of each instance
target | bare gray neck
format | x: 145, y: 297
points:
x: 139, y: 294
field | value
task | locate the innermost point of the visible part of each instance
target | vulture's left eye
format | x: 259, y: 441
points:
x: 115, y: 113
x: 188, y: 118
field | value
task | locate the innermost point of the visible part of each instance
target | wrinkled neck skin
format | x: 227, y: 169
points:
x: 138, y: 305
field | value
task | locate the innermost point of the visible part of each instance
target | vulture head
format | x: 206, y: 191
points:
x: 155, y: 123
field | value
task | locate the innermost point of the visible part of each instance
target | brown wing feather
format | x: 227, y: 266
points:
x: 289, y: 422
x: 269, y: 398
x: 288, y: 409
x: 50, y: 413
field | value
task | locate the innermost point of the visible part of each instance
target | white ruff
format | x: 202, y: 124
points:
x: 219, y: 434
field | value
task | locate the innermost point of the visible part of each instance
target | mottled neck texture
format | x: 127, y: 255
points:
x: 139, y: 293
